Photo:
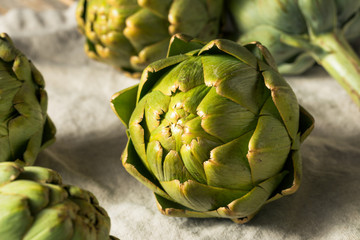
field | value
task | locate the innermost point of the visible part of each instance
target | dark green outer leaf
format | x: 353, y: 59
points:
x: 320, y: 15
x: 346, y: 8
x: 123, y: 103
x: 244, y: 207
x: 351, y: 28
x: 306, y: 123
x: 182, y: 44
x: 136, y: 168
x: 282, y: 14
x: 284, y: 99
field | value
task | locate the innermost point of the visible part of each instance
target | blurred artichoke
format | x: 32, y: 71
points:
x: 35, y: 205
x: 300, y: 32
x: 213, y: 129
x: 130, y: 34
x: 25, y: 128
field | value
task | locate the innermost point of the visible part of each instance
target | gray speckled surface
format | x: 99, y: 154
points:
x: 90, y: 140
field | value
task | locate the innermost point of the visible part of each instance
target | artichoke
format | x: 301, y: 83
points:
x: 25, y: 127
x: 35, y: 205
x: 299, y: 33
x: 214, y: 130
x: 130, y: 34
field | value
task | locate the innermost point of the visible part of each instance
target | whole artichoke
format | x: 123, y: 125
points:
x: 300, y: 32
x: 213, y: 129
x: 130, y: 34
x: 35, y: 205
x: 25, y: 127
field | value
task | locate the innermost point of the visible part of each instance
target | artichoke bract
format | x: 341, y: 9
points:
x: 213, y: 129
x: 130, y: 34
x: 25, y: 127
x: 299, y: 33
x: 35, y: 205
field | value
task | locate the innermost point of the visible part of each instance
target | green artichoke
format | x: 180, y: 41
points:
x: 300, y: 32
x: 35, y: 205
x: 25, y: 127
x: 213, y: 130
x: 130, y: 34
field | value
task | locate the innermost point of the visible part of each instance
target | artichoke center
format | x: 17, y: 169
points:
x: 178, y: 118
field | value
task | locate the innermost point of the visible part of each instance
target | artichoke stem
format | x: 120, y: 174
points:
x: 340, y: 61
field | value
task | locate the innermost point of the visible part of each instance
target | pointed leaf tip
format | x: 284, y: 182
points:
x: 123, y: 103
x: 181, y: 44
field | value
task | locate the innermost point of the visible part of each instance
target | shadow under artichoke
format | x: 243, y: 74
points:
x: 92, y: 158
